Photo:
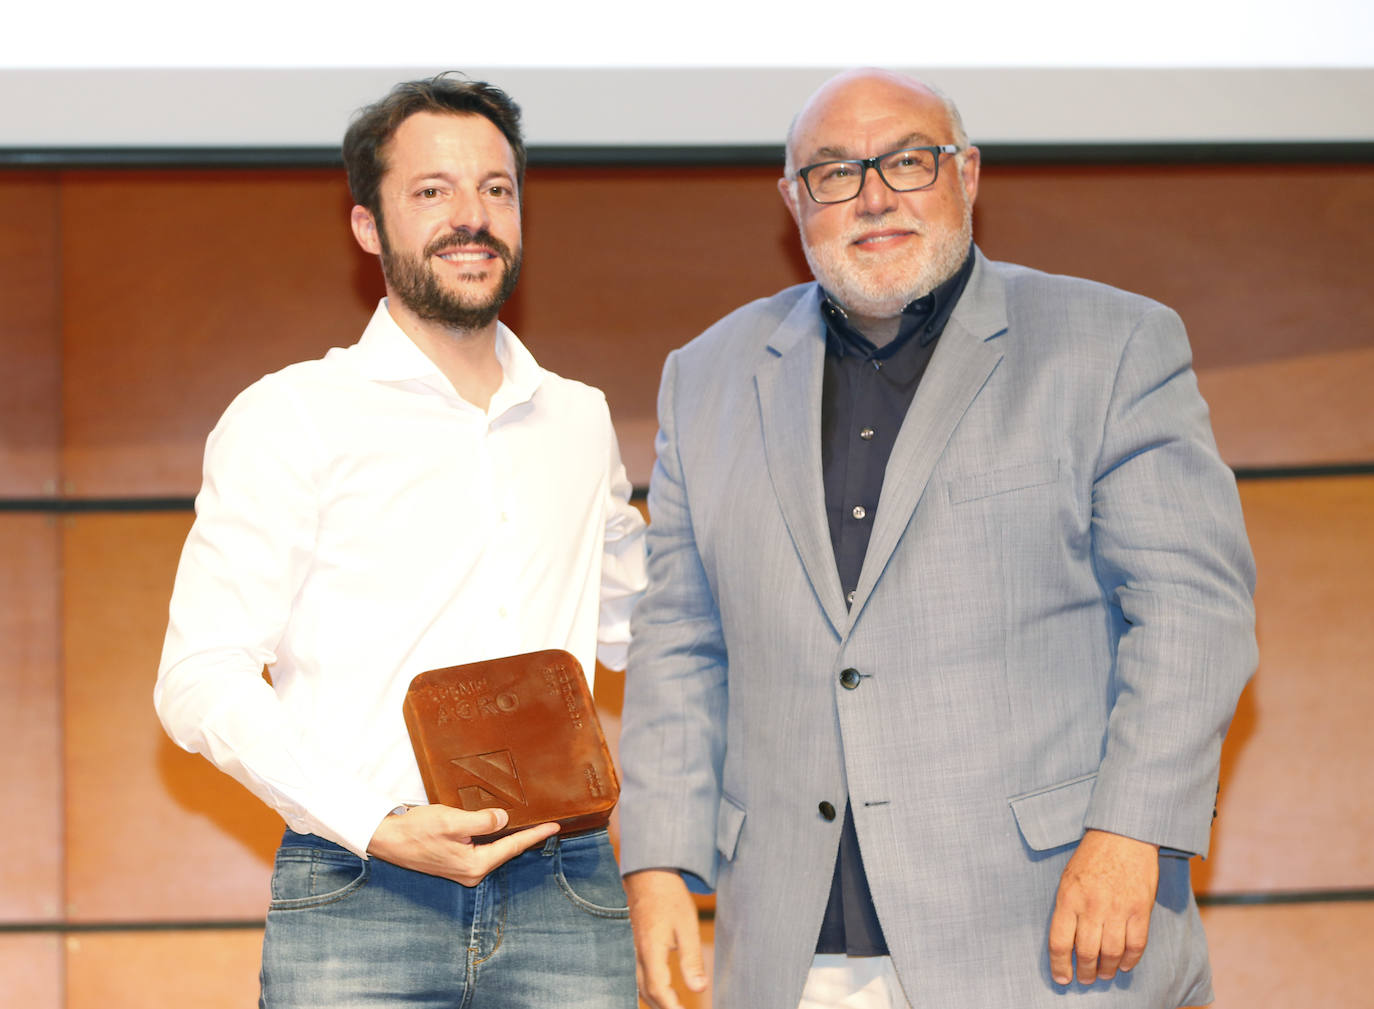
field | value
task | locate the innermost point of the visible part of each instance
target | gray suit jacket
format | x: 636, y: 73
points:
x: 1051, y: 630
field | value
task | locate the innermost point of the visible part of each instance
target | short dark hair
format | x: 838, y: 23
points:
x: 373, y: 127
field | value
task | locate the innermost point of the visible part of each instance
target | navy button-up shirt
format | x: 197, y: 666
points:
x: 865, y: 396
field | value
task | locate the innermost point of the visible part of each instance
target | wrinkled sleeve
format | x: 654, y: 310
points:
x: 1173, y: 560
x: 674, y: 725
x: 244, y: 561
x: 622, y: 564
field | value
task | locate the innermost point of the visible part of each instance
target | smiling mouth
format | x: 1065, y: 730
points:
x: 479, y: 256
x: 886, y: 236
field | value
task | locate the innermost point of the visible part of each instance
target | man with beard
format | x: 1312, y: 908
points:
x: 427, y: 497
x: 949, y: 609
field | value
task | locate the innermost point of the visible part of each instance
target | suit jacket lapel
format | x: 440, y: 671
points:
x: 964, y: 359
x: 788, y: 381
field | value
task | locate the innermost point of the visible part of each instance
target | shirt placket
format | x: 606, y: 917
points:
x: 503, y: 549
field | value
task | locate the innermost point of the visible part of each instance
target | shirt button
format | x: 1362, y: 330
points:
x: 849, y: 679
x: 866, y: 434
x: 827, y: 811
x: 859, y: 512
x: 849, y: 598
x: 501, y: 611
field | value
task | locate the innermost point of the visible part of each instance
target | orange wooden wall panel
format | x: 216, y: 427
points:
x: 623, y: 265
x: 1309, y: 408
x: 180, y: 288
x: 210, y: 969
x: 1269, y: 260
x: 1300, y: 956
x: 1267, y: 264
x: 30, y: 353
x: 31, y: 971
x: 225, y: 275
x: 31, y: 786
x: 1296, y: 804
x: 154, y: 833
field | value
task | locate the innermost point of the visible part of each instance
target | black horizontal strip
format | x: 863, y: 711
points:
x: 79, y: 927
x: 1273, y: 897
x: 67, y: 506
x: 1301, y: 472
x: 1183, y: 153
x: 170, y: 157
x: 58, y: 505
x: 706, y: 155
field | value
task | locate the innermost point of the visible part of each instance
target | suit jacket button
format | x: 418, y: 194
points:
x: 827, y: 811
x: 849, y: 679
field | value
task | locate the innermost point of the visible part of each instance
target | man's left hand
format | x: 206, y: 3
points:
x: 1102, y: 912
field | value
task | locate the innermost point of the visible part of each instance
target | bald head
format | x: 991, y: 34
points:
x: 850, y: 97
x: 879, y: 248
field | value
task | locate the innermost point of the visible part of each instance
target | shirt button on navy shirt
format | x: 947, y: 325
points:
x: 866, y: 434
x: 859, y: 512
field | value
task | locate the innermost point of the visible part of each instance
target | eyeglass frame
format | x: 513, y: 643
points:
x: 866, y: 163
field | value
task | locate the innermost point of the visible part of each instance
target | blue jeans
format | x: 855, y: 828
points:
x: 548, y: 928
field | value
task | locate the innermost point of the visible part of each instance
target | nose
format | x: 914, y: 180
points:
x: 470, y: 211
x: 876, y: 197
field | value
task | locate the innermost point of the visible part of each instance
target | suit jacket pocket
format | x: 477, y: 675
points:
x: 729, y: 821
x: 1052, y: 817
x: 973, y: 486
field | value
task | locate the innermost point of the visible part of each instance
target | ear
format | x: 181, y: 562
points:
x: 972, y: 162
x: 787, y: 189
x: 365, y: 230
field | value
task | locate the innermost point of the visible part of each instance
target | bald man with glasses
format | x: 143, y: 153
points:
x: 949, y: 611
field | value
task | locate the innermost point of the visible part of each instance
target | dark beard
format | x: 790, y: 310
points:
x: 414, y: 283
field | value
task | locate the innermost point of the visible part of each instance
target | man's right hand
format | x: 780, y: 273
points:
x: 438, y: 840
x: 664, y: 919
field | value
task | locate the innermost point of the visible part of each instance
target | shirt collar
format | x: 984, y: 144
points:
x: 384, y: 353
x: 926, y: 315
x: 523, y: 373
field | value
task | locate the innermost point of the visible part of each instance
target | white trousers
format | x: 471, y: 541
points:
x: 837, y: 981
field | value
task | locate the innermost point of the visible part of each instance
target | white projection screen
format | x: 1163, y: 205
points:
x: 710, y: 74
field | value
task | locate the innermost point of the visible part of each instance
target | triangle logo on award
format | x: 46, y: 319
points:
x: 496, y: 781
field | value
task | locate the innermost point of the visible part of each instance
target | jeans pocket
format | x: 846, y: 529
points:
x: 306, y: 877
x: 588, y: 875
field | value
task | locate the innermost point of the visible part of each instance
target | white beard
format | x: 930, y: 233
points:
x: 858, y: 291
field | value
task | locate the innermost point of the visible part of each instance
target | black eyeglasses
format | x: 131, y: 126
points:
x: 902, y: 171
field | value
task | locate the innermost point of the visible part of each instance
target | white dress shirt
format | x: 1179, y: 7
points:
x: 359, y: 523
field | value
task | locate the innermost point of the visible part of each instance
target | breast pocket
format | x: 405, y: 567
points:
x: 1022, y: 476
